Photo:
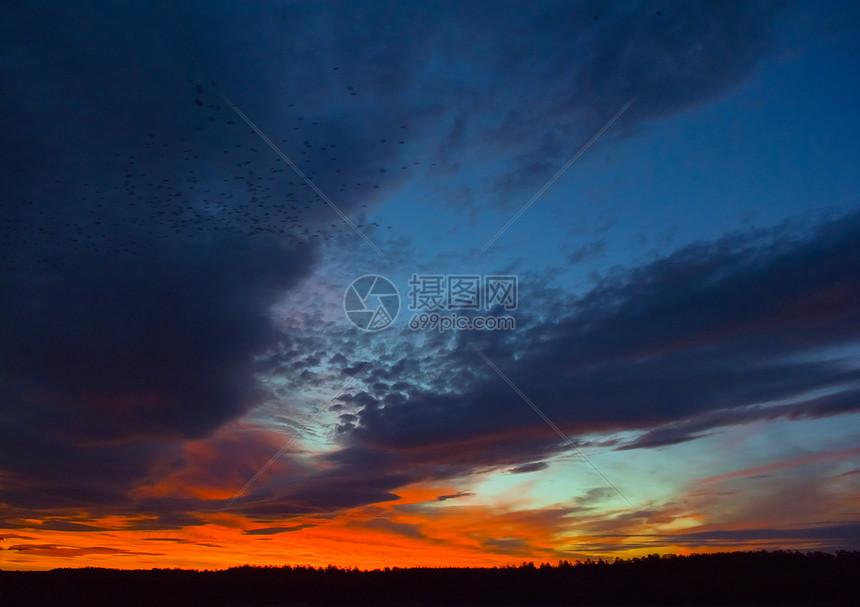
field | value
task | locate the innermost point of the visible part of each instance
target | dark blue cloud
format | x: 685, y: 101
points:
x: 146, y: 232
x: 748, y: 327
x: 702, y: 338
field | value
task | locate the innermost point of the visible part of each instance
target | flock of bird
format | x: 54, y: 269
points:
x: 214, y: 175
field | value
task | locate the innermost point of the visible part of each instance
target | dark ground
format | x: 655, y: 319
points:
x: 741, y: 578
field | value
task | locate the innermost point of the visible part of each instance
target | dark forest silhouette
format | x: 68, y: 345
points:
x: 781, y: 577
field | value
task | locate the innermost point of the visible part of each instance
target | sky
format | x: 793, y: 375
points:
x: 427, y: 283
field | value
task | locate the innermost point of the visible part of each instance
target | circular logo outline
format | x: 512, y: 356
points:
x: 364, y: 318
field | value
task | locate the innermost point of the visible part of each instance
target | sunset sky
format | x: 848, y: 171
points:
x: 189, y: 189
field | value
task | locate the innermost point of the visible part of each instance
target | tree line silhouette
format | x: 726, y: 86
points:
x: 780, y: 577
